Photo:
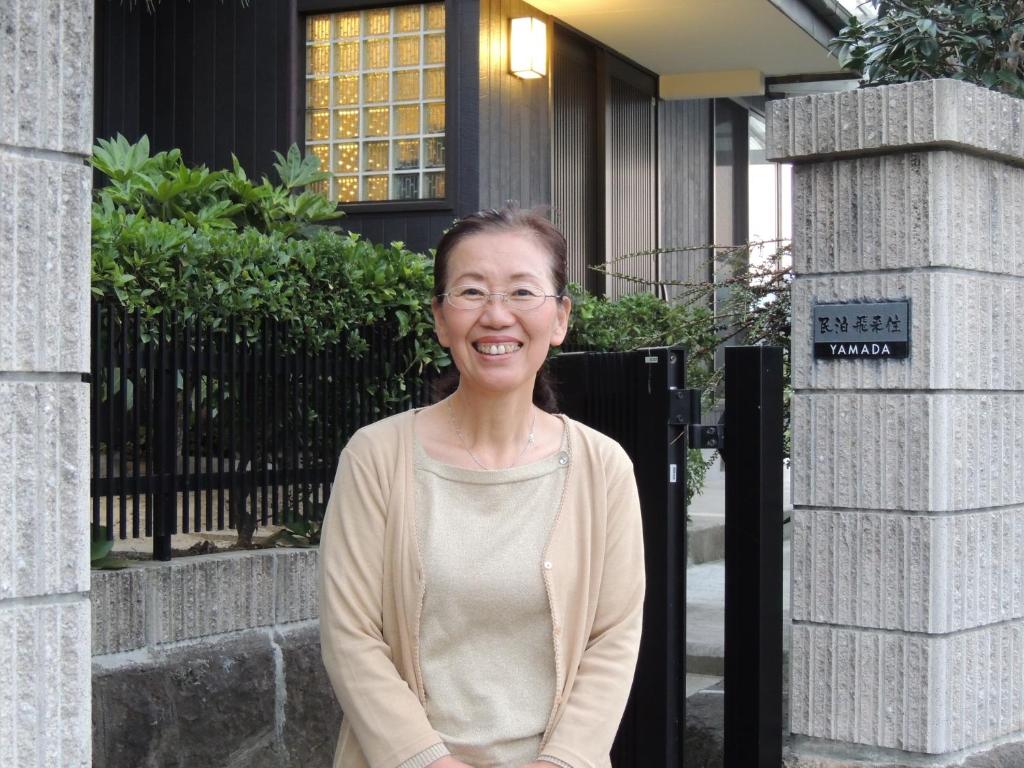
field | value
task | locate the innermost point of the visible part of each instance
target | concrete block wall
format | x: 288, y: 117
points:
x: 154, y: 604
x: 230, y: 642
x: 908, y: 475
x: 46, y: 85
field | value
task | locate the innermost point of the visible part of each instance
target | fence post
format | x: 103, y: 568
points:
x: 164, y: 443
x: 753, y: 557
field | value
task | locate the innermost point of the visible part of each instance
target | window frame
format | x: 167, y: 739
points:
x: 306, y: 8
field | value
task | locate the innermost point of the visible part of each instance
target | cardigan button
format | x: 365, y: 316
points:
x: 547, y: 565
x: 563, y: 458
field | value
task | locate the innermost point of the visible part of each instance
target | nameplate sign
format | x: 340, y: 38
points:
x: 860, y: 330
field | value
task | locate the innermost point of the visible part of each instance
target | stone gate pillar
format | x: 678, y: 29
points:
x: 46, y: 87
x: 908, y: 474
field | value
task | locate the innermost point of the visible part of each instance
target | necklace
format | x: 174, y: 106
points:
x: 462, y: 440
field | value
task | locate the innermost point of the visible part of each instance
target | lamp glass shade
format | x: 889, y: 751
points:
x: 528, y: 48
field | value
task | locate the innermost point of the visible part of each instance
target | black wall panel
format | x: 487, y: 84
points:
x: 631, y: 153
x: 577, y: 182
x: 515, y: 138
x: 209, y: 78
x: 684, y: 188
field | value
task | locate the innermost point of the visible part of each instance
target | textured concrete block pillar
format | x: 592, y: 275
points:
x: 46, y: 87
x: 908, y: 474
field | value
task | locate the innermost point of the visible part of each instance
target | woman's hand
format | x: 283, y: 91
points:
x: 448, y: 762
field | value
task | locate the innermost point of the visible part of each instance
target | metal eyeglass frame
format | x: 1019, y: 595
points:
x: 489, y: 297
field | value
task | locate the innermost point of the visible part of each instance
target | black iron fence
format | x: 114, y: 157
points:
x: 200, y: 429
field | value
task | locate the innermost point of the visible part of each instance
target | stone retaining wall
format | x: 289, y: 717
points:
x: 211, y: 662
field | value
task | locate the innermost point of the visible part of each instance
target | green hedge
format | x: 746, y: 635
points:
x: 217, y: 245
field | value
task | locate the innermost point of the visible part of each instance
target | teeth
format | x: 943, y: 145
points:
x: 497, y: 349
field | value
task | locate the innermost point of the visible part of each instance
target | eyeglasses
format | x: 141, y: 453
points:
x: 523, y: 298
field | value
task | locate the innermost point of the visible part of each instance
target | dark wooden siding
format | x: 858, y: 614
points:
x: 216, y: 78
x: 209, y: 78
x: 631, y: 152
x: 515, y: 136
x: 684, y: 188
x: 577, y: 185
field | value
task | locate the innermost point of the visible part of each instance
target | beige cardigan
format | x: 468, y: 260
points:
x: 371, y: 595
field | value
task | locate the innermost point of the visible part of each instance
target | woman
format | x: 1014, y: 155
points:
x: 482, y: 576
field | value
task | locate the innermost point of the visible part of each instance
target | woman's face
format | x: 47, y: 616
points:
x: 499, y: 349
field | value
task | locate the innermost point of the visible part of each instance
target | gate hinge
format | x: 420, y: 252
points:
x: 707, y: 436
x: 684, y: 406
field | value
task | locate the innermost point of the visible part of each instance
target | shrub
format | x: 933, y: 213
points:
x: 217, y: 246
x: 981, y: 41
x: 642, y: 320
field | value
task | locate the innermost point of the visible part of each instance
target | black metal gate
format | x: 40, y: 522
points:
x: 640, y: 399
x: 637, y: 398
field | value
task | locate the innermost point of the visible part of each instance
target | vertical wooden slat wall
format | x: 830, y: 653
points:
x: 632, y: 177
x: 684, y: 189
x: 515, y: 138
x: 210, y: 79
x: 575, y: 175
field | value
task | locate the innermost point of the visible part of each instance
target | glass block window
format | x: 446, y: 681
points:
x: 375, y: 110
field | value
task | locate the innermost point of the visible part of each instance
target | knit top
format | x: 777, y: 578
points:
x: 486, y: 647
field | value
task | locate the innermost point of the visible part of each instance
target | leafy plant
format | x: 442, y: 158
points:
x: 99, y: 551
x: 752, y: 299
x: 299, y: 533
x: 217, y: 247
x: 163, y: 187
x: 981, y: 42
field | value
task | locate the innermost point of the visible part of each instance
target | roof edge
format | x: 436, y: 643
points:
x: 821, y: 19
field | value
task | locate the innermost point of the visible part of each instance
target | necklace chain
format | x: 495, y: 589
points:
x: 462, y: 439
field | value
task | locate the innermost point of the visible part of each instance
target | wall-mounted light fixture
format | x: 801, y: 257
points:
x: 528, y: 48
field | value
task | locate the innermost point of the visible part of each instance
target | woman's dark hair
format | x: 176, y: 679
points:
x: 509, y: 219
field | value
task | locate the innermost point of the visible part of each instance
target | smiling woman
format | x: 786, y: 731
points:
x: 482, y: 573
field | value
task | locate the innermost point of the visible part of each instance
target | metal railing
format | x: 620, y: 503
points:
x: 202, y: 429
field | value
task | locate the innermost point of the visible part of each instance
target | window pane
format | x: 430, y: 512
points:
x: 407, y: 18
x: 375, y: 188
x: 346, y: 25
x: 318, y: 59
x: 375, y: 87
x: 433, y: 153
x: 434, y: 185
x: 318, y: 28
x: 407, y: 153
x: 346, y: 123
x: 433, y: 83
x: 407, y: 119
x: 376, y: 54
x: 407, y: 51
x: 375, y: 114
x: 347, y: 188
x: 375, y: 121
x: 407, y: 186
x: 346, y: 158
x: 318, y: 127
x: 318, y: 92
x: 407, y: 85
x: 321, y: 152
x: 375, y: 156
x: 435, y: 16
x: 346, y: 89
x: 433, y: 118
x: 346, y: 57
x: 433, y: 49
x: 378, y: 22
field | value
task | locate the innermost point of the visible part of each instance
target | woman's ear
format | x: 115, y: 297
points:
x: 440, y: 327
x: 562, y: 315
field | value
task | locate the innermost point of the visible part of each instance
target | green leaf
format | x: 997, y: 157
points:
x: 297, y: 171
